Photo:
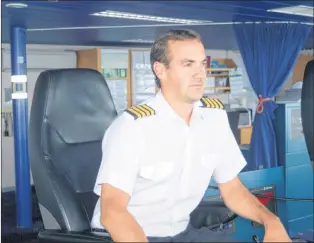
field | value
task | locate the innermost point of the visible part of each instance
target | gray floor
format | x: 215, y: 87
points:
x: 9, y: 231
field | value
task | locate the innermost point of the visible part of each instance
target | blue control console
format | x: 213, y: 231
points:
x: 298, y: 171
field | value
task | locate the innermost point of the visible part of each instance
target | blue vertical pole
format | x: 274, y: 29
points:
x: 20, y: 126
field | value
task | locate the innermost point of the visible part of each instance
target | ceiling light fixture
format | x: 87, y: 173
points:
x: 124, y: 15
x: 295, y: 10
x: 138, y: 41
x: 16, y: 5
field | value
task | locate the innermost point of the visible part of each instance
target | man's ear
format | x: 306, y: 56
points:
x: 159, y: 69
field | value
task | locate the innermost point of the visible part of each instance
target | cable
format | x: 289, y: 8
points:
x: 230, y: 217
x: 276, y: 198
x: 287, y: 198
x: 256, y: 239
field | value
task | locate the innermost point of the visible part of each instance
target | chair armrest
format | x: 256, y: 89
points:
x: 60, y: 236
x: 210, y: 214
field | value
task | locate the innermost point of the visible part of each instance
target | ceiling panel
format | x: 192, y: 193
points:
x: 75, y: 17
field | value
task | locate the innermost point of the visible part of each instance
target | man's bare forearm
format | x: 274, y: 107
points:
x: 122, y: 227
x: 244, y: 203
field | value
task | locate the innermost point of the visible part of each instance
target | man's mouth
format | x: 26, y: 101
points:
x: 196, y: 85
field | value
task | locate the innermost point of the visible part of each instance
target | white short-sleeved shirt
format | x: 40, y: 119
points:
x: 166, y: 165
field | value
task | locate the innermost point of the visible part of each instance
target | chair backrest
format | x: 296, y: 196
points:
x: 71, y: 109
x: 307, y: 107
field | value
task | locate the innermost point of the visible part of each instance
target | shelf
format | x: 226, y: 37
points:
x: 217, y: 88
x: 218, y: 75
x: 218, y: 69
x: 116, y: 78
x: 227, y: 63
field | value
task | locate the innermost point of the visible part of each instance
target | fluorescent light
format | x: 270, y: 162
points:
x: 295, y: 10
x: 16, y: 5
x: 124, y: 15
x: 139, y: 41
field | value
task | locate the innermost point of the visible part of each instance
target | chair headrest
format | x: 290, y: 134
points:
x: 307, y: 106
x: 75, y: 99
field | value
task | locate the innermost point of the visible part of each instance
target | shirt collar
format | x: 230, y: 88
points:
x: 165, y: 110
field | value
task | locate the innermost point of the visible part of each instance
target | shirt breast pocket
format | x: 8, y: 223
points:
x: 161, y: 171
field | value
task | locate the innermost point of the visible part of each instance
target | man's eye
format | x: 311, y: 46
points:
x: 188, y: 64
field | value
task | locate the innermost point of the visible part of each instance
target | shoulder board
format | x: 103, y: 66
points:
x: 211, y: 103
x: 141, y: 111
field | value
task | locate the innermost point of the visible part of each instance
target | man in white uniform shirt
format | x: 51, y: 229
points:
x: 159, y: 157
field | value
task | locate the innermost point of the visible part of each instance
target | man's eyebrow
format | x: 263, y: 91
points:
x: 187, y: 60
x: 191, y: 61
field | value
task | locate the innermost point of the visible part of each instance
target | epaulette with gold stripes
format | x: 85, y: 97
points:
x: 211, y: 103
x: 141, y: 111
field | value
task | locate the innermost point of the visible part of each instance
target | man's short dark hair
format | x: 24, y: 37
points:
x: 159, y: 51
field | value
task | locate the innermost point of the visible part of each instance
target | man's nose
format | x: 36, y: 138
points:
x: 200, y: 72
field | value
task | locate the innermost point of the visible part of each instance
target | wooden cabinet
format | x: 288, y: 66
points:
x: 245, y: 135
x: 89, y: 59
x: 298, y: 70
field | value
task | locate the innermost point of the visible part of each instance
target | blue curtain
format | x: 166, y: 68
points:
x: 269, y: 53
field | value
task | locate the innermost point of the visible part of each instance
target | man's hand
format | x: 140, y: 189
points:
x: 275, y: 232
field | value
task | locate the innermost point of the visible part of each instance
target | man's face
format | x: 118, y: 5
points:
x: 185, y: 77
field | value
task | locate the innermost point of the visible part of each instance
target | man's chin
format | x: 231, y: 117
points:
x: 196, y: 96
x: 198, y: 92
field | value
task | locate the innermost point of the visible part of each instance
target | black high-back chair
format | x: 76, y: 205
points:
x: 71, y: 109
x: 307, y: 108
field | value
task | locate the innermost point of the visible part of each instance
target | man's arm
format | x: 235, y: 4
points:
x: 242, y: 202
x: 115, y: 217
x: 236, y: 197
x: 116, y: 180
